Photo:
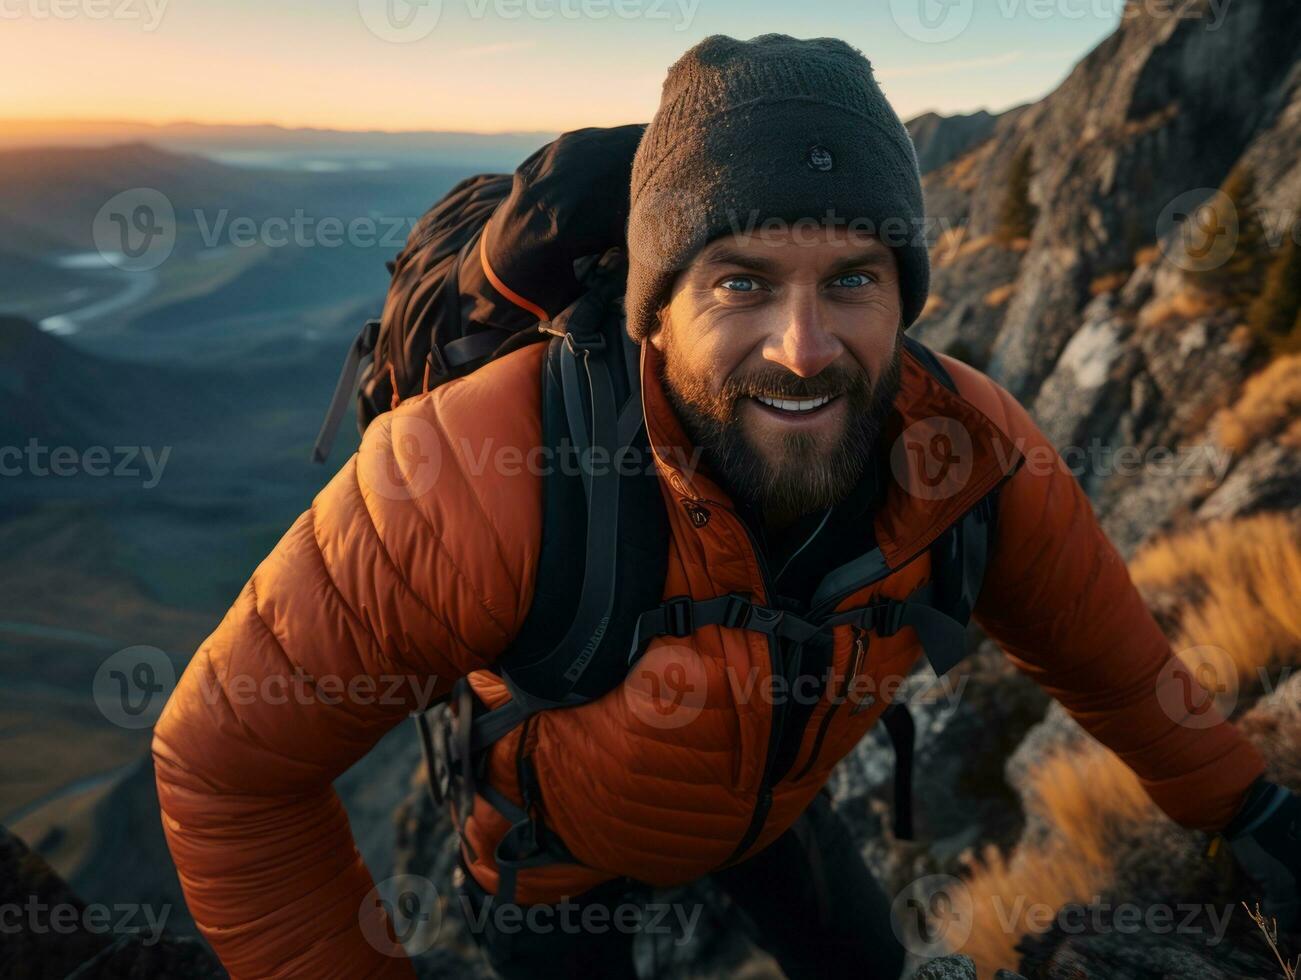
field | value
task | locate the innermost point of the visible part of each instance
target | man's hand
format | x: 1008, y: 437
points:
x: 1265, y: 838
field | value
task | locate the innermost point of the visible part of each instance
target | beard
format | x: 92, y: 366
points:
x: 801, y: 472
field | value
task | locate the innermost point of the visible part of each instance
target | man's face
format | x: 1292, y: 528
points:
x: 781, y: 356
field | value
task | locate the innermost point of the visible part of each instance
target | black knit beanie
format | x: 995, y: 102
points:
x: 779, y: 128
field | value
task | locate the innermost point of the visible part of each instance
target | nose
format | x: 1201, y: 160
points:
x: 802, y: 345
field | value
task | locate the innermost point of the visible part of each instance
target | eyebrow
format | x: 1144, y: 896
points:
x: 757, y: 263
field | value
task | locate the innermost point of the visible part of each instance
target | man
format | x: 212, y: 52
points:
x: 778, y: 350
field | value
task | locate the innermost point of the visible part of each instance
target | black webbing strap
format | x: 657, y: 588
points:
x: 599, y: 572
x: 576, y: 415
x: 526, y: 843
x: 901, y: 728
x: 597, y: 597
x: 681, y: 615
x: 461, y: 728
x: 463, y: 350
x: 976, y: 534
x: 492, y: 726
x: 850, y: 577
x: 942, y: 637
x: 362, y: 347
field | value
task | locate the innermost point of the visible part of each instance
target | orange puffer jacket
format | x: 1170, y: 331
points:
x: 414, y: 566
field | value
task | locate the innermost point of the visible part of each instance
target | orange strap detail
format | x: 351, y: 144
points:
x: 501, y: 287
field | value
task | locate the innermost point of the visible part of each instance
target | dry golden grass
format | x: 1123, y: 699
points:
x: 1291, y: 436
x: 1270, y: 403
x: 1000, y: 294
x: 1269, y: 927
x: 1243, y: 576
x: 1108, y: 283
x: 975, y: 245
x: 947, y: 244
x: 1133, y: 128
x: 1190, y: 304
x: 1011, y: 897
x: 934, y: 303
x: 955, y: 244
x: 963, y: 168
x: 1237, y: 580
x: 965, y: 173
x: 1242, y: 337
x: 1147, y: 255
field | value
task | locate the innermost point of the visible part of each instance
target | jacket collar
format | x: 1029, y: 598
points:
x: 940, y: 455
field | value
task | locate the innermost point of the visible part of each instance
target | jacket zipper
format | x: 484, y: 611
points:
x: 763, y: 800
x: 860, y: 648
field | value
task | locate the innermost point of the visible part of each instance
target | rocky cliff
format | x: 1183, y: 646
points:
x: 1113, y: 255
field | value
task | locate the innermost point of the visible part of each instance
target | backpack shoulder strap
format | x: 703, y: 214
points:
x: 958, y: 560
x: 603, y: 555
x: 960, y: 554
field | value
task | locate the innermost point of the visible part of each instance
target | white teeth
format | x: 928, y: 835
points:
x: 794, y: 404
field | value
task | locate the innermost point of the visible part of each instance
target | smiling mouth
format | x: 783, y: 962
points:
x: 795, y: 406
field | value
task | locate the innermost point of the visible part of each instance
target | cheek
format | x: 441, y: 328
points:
x: 710, y: 356
x: 872, y: 349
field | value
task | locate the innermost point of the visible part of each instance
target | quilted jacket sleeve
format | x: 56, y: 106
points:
x: 394, y: 583
x: 1058, y: 599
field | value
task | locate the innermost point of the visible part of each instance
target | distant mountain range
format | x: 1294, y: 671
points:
x: 939, y: 139
x: 265, y: 145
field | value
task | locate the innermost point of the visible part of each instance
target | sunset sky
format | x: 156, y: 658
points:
x: 492, y: 65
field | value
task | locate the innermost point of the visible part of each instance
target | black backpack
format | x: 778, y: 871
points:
x: 504, y: 261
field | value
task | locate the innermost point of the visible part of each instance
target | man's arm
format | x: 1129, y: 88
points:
x: 1058, y: 599
x: 393, y: 584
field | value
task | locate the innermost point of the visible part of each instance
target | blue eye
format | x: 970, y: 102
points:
x: 748, y: 285
x: 859, y: 279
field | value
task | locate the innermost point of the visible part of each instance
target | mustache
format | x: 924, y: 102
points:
x: 780, y: 383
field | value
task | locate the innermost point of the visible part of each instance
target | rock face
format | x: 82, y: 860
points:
x: 940, y: 139
x: 58, y: 935
x: 966, y: 727
x: 1164, y: 106
x: 1089, y: 316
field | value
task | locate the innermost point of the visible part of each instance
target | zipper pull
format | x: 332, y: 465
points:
x: 860, y: 649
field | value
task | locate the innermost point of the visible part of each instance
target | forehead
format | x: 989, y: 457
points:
x: 791, y: 245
